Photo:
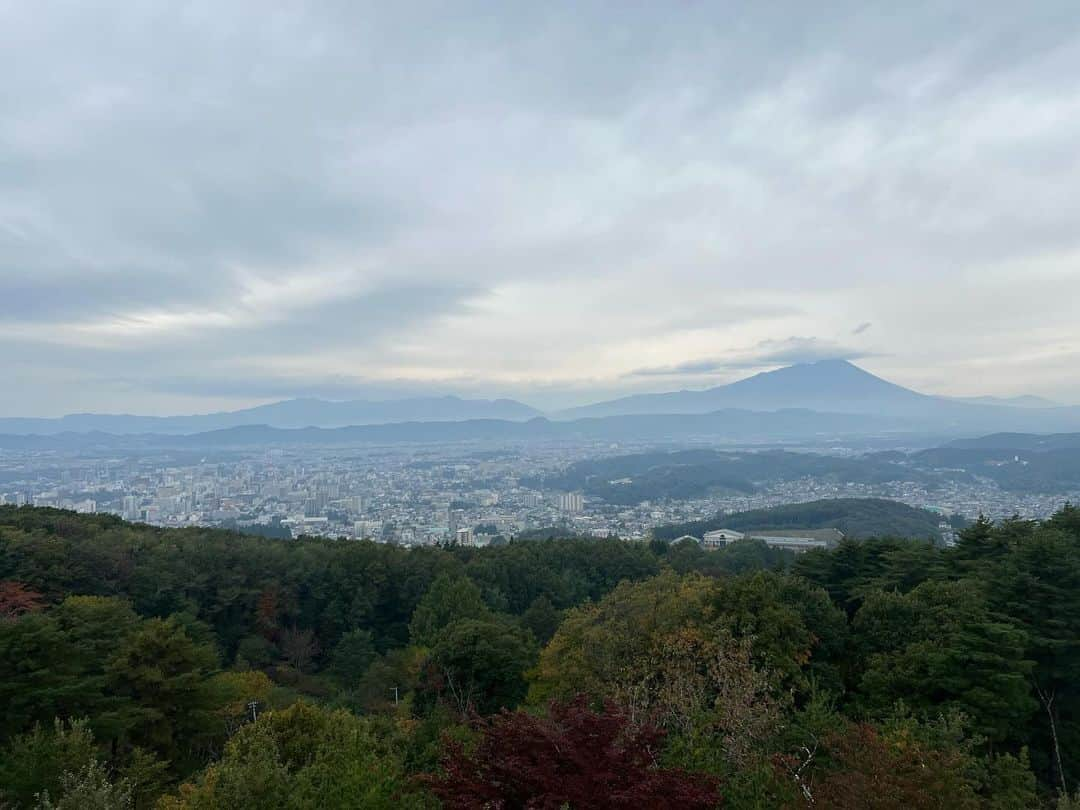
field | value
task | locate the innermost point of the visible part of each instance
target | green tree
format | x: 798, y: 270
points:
x: 300, y: 758
x: 1037, y: 584
x: 795, y: 631
x: 89, y: 789
x: 51, y: 665
x: 352, y: 656
x: 255, y: 651
x: 1067, y: 520
x: 34, y: 763
x: 388, y: 681
x: 479, y: 665
x: 542, y: 618
x: 147, y: 775
x: 604, y: 650
x: 165, y: 675
x: 449, y: 599
x: 1009, y: 783
x: 941, y: 648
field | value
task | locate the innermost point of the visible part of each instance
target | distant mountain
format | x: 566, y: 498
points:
x: 806, y: 401
x: 828, y: 388
x: 838, y: 386
x: 729, y: 426
x: 723, y: 426
x: 829, y: 385
x: 291, y: 413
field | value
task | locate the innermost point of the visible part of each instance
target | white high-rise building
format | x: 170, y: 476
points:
x: 366, y: 530
x: 571, y: 502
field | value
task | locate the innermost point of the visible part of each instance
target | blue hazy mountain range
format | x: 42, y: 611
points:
x: 290, y: 413
x: 833, y: 397
x: 735, y: 425
x: 836, y: 386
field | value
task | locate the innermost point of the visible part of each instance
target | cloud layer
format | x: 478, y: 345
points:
x: 207, y: 205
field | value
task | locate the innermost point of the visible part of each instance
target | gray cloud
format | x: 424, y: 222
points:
x: 767, y: 353
x: 331, y: 387
x: 202, y: 205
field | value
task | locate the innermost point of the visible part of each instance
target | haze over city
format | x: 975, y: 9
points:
x: 208, y: 206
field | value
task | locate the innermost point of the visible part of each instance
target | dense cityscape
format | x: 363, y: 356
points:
x: 470, y: 494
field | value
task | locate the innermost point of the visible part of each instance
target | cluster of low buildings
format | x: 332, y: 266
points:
x: 797, y: 540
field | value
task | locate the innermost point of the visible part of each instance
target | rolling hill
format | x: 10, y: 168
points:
x: 855, y: 517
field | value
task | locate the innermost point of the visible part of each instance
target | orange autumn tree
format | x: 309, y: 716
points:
x: 16, y: 599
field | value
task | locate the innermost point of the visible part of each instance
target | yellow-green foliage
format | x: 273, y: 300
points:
x: 298, y: 758
x: 606, y: 643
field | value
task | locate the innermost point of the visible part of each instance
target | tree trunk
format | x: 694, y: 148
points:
x: 1047, y: 700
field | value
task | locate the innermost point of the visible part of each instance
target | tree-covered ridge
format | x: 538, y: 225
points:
x: 855, y: 517
x: 686, y: 474
x: 1053, y: 466
x: 144, y: 667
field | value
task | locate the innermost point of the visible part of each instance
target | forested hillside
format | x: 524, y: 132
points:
x: 686, y: 474
x: 1048, y: 464
x: 855, y: 517
x: 182, y: 669
x: 1056, y: 469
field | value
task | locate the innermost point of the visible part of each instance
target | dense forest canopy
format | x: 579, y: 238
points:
x: 144, y: 667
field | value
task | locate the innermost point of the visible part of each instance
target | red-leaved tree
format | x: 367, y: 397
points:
x: 573, y: 758
x: 16, y: 599
x: 868, y: 770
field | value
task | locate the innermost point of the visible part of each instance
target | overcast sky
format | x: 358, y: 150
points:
x: 211, y: 204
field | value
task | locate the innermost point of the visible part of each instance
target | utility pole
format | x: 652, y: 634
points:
x: 395, y: 695
x: 253, y: 705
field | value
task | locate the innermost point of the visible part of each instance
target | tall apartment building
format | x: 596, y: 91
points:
x: 571, y: 502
